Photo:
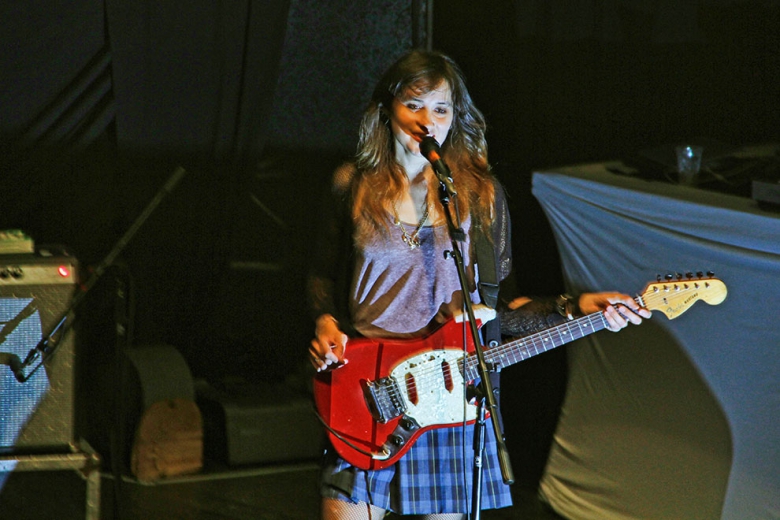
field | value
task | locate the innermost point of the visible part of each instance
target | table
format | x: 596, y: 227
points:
x: 674, y: 418
x: 80, y: 458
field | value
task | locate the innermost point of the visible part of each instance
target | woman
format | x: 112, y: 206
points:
x: 380, y: 271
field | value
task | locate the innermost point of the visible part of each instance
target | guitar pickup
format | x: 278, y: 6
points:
x: 383, y: 398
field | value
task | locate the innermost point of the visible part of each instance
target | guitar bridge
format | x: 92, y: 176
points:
x: 383, y: 398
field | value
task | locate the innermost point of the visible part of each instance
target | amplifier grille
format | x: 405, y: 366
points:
x: 38, y: 414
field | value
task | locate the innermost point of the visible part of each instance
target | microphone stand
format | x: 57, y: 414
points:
x: 49, y: 344
x: 486, y: 400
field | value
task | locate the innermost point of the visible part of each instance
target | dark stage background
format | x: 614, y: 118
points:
x: 259, y: 100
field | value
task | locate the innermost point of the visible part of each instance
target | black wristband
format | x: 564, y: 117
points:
x: 567, y: 306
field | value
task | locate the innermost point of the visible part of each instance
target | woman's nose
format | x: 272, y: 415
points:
x: 424, y: 118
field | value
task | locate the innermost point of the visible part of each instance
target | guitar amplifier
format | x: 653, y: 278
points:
x: 36, y: 415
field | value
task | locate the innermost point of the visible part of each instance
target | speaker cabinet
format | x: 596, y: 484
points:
x: 36, y: 415
x: 259, y: 424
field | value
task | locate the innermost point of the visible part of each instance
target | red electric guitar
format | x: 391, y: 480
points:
x: 391, y: 391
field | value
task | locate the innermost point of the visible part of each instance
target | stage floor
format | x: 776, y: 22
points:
x: 287, y: 492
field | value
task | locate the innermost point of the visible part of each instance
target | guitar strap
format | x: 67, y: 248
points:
x: 488, y: 283
x: 488, y: 291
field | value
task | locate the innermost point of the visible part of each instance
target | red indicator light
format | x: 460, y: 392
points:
x: 63, y: 271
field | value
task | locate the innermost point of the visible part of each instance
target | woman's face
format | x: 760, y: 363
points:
x: 416, y: 115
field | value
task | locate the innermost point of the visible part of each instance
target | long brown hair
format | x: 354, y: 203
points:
x: 380, y: 179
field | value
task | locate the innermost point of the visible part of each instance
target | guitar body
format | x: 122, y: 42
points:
x: 417, y: 384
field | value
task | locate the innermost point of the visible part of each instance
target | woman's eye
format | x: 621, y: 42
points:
x: 413, y: 106
x: 441, y: 111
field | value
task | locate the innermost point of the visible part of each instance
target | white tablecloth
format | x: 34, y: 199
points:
x: 676, y: 418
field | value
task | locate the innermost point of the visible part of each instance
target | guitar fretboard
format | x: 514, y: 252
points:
x: 521, y: 349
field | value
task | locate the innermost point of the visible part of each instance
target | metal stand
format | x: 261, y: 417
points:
x: 48, y: 345
x: 83, y: 459
x: 487, y: 398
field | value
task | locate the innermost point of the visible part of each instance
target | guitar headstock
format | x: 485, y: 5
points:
x: 676, y: 294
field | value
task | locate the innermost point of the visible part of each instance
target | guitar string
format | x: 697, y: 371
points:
x: 528, y: 346
x: 537, y: 344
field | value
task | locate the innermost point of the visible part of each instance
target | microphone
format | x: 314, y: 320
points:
x: 17, y: 368
x: 16, y: 365
x: 12, y: 360
x: 431, y: 151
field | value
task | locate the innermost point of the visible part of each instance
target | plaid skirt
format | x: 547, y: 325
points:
x: 434, y: 476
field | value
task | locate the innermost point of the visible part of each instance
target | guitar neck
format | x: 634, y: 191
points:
x: 521, y: 349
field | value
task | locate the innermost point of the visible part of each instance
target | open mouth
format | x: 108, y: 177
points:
x: 422, y: 132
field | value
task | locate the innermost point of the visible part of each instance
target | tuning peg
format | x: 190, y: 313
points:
x: 669, y: 277
x: 689, y: 275
x: 699, y: 274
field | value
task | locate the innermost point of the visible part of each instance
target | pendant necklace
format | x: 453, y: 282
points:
x: 413, y: 240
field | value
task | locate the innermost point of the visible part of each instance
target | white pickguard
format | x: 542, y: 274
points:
x: 435, y: 404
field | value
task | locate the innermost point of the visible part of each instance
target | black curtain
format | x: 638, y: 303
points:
x: 101, y: 101
x: 195, y: 83
x: 55, y: 100
x: 196, y: 78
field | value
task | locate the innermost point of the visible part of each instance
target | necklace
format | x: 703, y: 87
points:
x: 413, y: 240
